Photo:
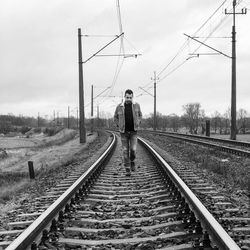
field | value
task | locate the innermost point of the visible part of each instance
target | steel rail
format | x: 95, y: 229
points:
x: 207, y: 144
x: 215, y: 230
x: 25, y: 239
x: 233, y: 142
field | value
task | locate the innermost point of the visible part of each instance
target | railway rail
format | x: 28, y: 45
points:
x: 239, y: 147
x: 105, y: 209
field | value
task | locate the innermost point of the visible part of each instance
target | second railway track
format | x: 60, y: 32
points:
x: 230, y: 146
x: 105, y: 209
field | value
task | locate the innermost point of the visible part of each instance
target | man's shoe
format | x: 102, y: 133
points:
x: 132, y: 164
x: 128, y: 172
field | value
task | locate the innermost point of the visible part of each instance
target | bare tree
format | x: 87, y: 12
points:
x: 193, y: 116
x: 216, y: 121
x: 174, y: 121
x: 242, y: 120
x: 227, y: 116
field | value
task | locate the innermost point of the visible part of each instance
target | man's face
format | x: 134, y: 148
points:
x: 128, y: 98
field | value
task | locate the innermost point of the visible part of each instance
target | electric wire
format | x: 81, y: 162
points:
x: 120, y: 23
x: 182, y: 48
x: 186, y: 44
x: 131, y: 45
x: 225, y: 17
x: 120, y: 61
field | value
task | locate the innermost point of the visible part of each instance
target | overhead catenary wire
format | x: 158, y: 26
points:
x: 120, y: 60
x: 186, y: 43
x: 120, y: 23
x: 131, y: 45
x: 206, y: 38
x: 223, y: 19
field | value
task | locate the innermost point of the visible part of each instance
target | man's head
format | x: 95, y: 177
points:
x: 128, y: 96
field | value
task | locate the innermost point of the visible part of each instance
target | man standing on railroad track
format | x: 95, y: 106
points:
x: 127, y: 118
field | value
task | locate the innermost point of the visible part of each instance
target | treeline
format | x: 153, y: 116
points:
x: 21, y: 124
x: 192, y: 120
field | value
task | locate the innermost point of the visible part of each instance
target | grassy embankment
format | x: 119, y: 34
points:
x: 14, y: 177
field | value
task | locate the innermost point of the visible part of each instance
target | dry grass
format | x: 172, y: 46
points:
x: 233, y: 171
x: 240, y: 137
x: 60, y: 151
x: 230, y: 171
x: 11, y: 184
x: 16, y: 142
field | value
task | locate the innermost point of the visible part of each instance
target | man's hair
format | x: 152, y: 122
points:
x: 128, y: 91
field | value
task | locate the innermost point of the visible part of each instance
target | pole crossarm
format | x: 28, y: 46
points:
x: 124, y: 55
x: 146, y: 91
x: 203, y: 54
x: 243, y: 12
x: 208, y: 46
x: 103, y: 47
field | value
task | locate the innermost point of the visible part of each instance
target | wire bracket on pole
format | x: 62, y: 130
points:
x: 103, y: 47
x: 243, y: 12
x: 208, y: 46
x: 124, y: 55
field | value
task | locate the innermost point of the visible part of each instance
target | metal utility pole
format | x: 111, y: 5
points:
x: 92, y: 109
x: 155, y: 78
x: 233, y: 97
x: 82, y: 128
x: 233, y: 79
x: 68, y: 116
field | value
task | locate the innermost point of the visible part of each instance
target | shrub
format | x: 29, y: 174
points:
x: 24, y: 129
x: 3, y: 153
x: 50, y: 131
x: 5, y: 127
x: 37, y: 130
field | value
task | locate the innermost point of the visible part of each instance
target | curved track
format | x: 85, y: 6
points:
x: 105, y: 209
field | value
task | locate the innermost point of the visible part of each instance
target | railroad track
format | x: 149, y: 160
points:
x: 105, y: 209
x: 230, y: 146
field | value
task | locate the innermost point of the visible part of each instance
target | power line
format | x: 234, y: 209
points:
x: 120, y: 22
x: 131, y: 45
x: 211, y: 32
x: 186, y: 42
x: 172, y: 71
x: 120, y: 61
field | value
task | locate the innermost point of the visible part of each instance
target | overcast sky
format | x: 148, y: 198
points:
x: 39, y: 60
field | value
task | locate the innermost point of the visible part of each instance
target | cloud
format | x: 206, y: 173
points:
x: 39, y: 57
